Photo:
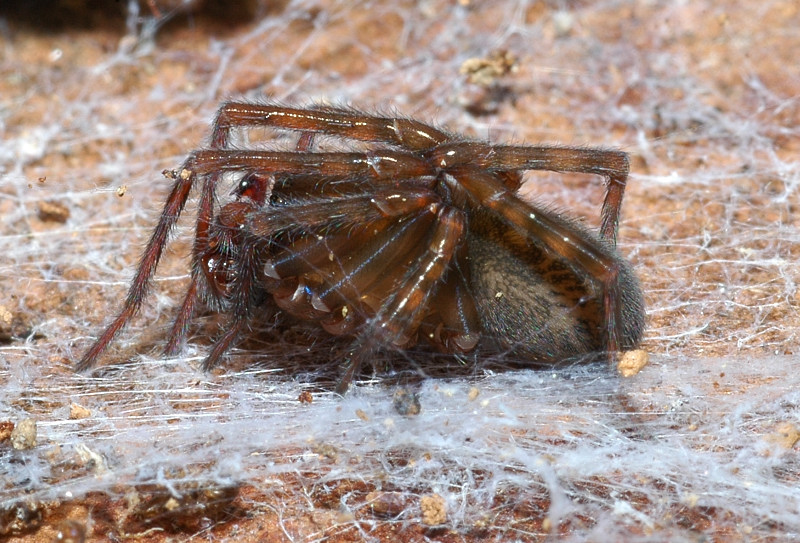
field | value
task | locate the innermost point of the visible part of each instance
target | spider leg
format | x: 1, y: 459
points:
x: 147, y: 266
x: 623, y: 306
x: 383, y: 164
x: 611, y: 164
x: 180, y: 327
x: 455, y: 327
x: 339, y: 212
x: 205, y: 213
x: 377, y: 258
x: 403, y: 312
x: 354, y: 283
x: 339, y: 122
x: 400, y: 317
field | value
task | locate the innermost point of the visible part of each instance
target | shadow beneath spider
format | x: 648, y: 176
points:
x: 296, y: 352
x: 288, y: 349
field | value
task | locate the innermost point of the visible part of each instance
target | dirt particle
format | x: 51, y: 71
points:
x: 632, y: 362
x: 6, y: 427
x: 434, y: 509
x: 786, y: 435
x: 406, y: 403
x: 53, y: 212
x: 78, y: 412
x: 23, y: 436
x: 485, y: 71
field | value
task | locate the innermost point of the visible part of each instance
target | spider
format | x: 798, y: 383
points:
x: 416, y: 234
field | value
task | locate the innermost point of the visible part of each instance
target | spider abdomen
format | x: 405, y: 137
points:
x: 535, y: 303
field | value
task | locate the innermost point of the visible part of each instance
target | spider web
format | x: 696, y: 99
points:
x: 702, y: 442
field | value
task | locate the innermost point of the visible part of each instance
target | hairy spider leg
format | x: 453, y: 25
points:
x: 147, y: 266
x: 382, y: 164
x: 205, y: 212
x: 342, y: 211
x: 407, y: 133
x: 458, y: 327
x: 220, y: 139
x: 402, y: 314
x: 623, y: 312
x: 611, y: 164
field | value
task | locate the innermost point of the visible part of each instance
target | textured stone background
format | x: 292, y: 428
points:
x: 96, y: 100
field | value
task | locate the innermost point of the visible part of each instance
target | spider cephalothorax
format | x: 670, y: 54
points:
x: 421, y: 236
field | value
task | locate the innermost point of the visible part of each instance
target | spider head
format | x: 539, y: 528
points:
x: 219, y: 261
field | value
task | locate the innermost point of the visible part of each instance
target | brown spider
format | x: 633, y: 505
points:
x: 419, y: 235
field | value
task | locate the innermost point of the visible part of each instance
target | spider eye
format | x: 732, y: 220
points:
x: 277, y: 201
x: 252, y: 186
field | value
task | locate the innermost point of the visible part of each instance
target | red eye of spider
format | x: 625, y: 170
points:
x: 254, y: 187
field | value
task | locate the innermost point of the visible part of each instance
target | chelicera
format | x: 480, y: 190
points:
x: 414, y: 234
